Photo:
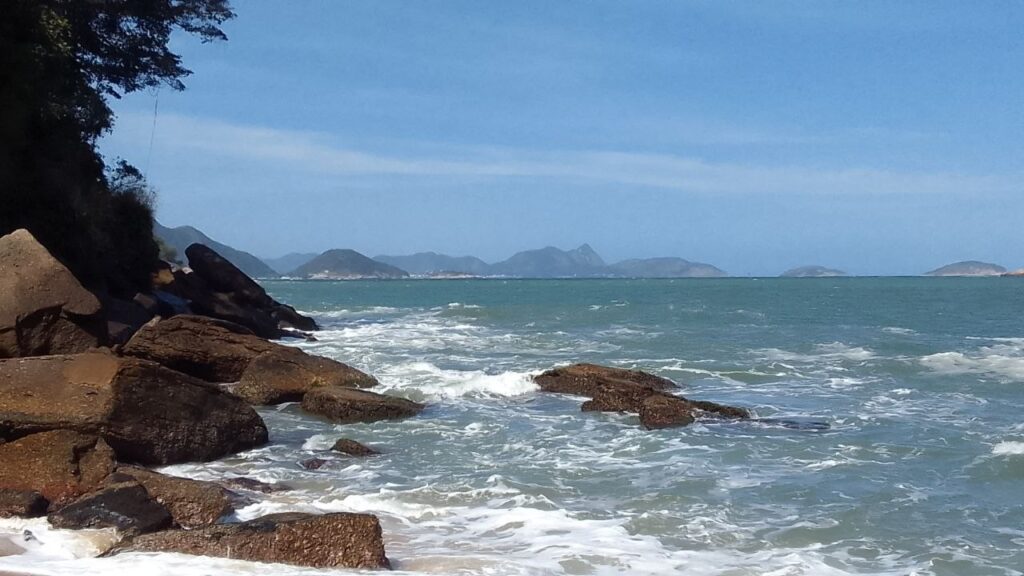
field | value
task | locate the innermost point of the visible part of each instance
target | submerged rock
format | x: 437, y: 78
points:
x: 145, y: 412
x: 666, y: 411
x: 346, y: 405
x: 22, y: 503
x: 126, y: 506
x: 43, y: 307
x: 192, y: 503
x: 336, y: 540
x: 353, y: 448
x: 253, y: 485
x: 590, y: 379
x: 313, y: 463
x: 60, y: 464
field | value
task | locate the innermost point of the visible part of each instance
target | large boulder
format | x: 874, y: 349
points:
x: 667, y: 411
x: 192, y: 503
x: 22, y: 504
x: 145, y: 412
x: 60, y: 465
x: 336, y: 540
x: 589, y: 379
x: 347, y: 405
x: 126, y: 506
x: 353, y: 448
x: 223, y: 276
x: 219, y: 351
x: 43, y: 308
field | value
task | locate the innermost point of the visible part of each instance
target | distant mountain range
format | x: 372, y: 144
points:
x: 812, y: 272
x: 428, y: 263
x: 346, y: 265
x: 968, y: 268
x: 181, y: 237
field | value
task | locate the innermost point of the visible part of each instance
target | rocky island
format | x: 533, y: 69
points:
x: 968, y: 268
x: 812, y: 272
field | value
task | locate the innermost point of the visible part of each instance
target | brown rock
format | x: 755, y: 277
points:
x: 61, y: 464
x: 618, y: 399
x: 313, y: 463
x: 192, y: 503
x: 346, y: 405
x: 145, y: 412
x: 126, y: 506
x: 22, y: 503
x: 353, y: 448
x: 666, y: 411
x: 253, y: 485
x: 43, y: 308
x: 286, y: 374
x: 319, y: 541
x: 589, y: 379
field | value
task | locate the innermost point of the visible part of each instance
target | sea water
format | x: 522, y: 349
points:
x: 913, y: 462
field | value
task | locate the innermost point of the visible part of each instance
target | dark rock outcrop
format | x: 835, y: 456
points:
x: 192, y: 503
x: 353, y: 448
x: 589, y: 379
x: 126, y: 506
x: 346, y: 405
x: 22, y: 503
x: 288, y: 374
x: 43, y: 308
x: 145, y: 412
x: 319, y: 541
x: 667, y: 411
x: 60, y: 465
x: 124, y: 317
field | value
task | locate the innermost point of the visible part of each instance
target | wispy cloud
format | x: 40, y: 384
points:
x: 317, y: 153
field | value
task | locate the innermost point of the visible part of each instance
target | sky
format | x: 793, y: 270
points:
x: 875, y: 137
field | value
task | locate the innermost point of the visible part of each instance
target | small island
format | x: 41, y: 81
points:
x: 968, y: 268
x: 812, y: 272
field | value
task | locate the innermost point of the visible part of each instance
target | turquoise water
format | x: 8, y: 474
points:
x: 921, y: 469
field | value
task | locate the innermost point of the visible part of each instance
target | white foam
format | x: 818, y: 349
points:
x: 439, y: 383
x: 1002, y: 362
x: 1009, y: 448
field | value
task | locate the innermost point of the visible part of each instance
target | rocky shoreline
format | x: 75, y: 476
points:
x: 93, y: 389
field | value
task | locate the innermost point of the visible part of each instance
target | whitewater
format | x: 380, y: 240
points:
x: 914, y: 464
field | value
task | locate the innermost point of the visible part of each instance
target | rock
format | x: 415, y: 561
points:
x: 22, y: 503
x: 124, y: 318
x: 618, y: 399
x: 192, y: 503
x: 145, y: 412
x: 43, y: 308
x: 319, y: 541
x: 346, y: 405
x: 253, y: 485
x: 286, y: 374
x: 589, y: 379
x: 666, y: 411
x: 60, y: 465
x: 223, y: 276
x: 353, y: 448
x: 313, y: 463
x: 126, y: 506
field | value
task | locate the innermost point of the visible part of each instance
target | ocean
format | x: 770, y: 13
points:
x: 889, y: 436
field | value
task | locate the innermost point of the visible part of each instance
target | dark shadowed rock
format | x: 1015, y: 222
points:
x: 346, y: 405
x: 320, y: 541
x: 287, y: 374
x: 145, y: 412
x: 313, y: 463
x: 126, y: 506
x: 60, y: 464
x: 22, y: 503
x: 353, y: 448
x: 223, y: 276
x: 666, y: 411
x: 124, y: 318
x: 589, y: 379
x: 43, y: 308
x: 192, y: 503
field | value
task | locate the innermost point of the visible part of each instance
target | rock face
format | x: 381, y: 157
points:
x: 126, y: 506
x: 191, y: 503
x: 589, y: 379
x: 346, y: 405
x: 319, y: 541
x: 219, y: 351
x: 60, y: 465
x: 353, y: 448
x: 145, y: 412
x: 43, y: 308
x: 22, y: 503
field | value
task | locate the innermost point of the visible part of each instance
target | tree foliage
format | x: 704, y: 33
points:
x: 60, y: 62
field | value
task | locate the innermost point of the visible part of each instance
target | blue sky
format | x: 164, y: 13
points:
x: 877, y: 137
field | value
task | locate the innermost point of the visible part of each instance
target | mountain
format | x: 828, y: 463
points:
x: 289, y: 262
x: 665, y: 268
x: 968, y: 268
x: 811, y: 272
x: 181, y: 237
x: 346, y: 265
x: 426, y: 263
x: 551, y: 262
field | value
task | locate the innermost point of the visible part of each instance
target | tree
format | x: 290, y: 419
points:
x: 60, y: 62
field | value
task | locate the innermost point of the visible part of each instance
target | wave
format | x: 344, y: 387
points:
x: 988, y: 361
x: 1009, y: 448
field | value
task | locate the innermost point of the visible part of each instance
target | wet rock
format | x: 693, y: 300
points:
x: 126, y: 506
x: 346, y: 405
x: 313, y: 463
x: 320, y: 541
x: 589, y: 379
x: 145, y: 412
x: 353, y: 448
x: 60, y: 465
x: 43, y: 308
x: 666, y: 411
x: 618, y: 399
x: 253, y: 485
x: 192, y: 503
x: 22, y: 503
x: 287, y: 374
